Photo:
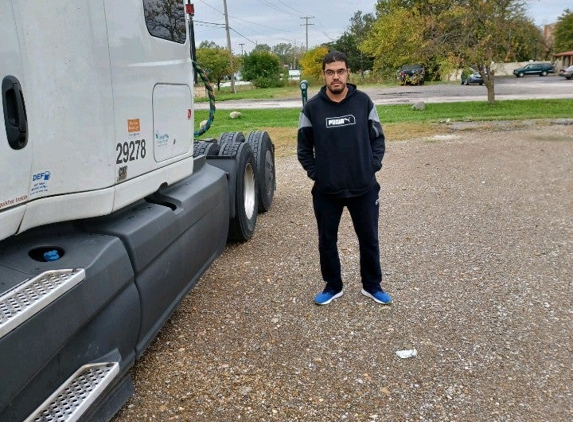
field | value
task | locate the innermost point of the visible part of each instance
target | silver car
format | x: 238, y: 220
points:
x: 566, y: 73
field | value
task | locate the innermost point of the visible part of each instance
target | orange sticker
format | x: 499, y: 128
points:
x: 133, y: 125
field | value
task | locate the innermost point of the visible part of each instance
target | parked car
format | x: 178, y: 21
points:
x: 566, y: 73
x: 471, y: 76
x: 412, y: 74
x: 541, y: 69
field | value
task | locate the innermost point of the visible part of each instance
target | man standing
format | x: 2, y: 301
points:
x: 341, y: 146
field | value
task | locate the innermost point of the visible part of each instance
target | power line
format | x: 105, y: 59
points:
x: 209, y: 23
x: 287, y: 5
x: 254, y: 23
x: 274, y: 6
x: 261, y: 34
x: 279, y: 6
x: 241, y: 35
x: 214, y: 8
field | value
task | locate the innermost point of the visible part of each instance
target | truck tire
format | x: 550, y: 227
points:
x: 242, y: 225
x: 227, y: 137
x: 264, y: 151
x: 205, y: 148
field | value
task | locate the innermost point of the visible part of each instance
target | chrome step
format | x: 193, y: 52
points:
x: 31, y: 296
x: 77, y: 394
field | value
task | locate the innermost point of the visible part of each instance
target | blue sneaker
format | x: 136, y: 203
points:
x: 327, y: 296
x: 379, y: 296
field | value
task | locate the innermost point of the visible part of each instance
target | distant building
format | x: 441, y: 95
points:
x: 548, y: 34
x: 563, y: 60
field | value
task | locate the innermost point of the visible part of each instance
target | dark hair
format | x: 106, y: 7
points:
x: 334, y: 56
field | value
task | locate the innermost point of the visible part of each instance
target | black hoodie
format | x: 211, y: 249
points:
x: 341, y: 145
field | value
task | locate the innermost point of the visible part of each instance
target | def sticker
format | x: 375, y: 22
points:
x: 40, y: 183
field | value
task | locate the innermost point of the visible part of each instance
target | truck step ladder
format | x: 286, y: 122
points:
x: 77, y: 394
x: 31, y: 296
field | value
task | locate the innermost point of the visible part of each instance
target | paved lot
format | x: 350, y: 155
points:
x: 507, y: 88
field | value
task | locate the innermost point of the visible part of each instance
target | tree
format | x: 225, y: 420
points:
x: 217, y: 63
x: 396, y: 37
x: 445, y: 35
x: 262, y: 47
x: 262, y: 68
x: 285, y: 52
x: 208, y: 44
x: 311, y: 62
x: 488, y: 38
x: 360, y: 25
x: 527, y: 43
x: 349, y: 42
x: 564, y: 32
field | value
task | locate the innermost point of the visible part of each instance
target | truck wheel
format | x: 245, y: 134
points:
x: 264, y: 151
x: 227, y: 137
x: 242, y: 225
x: 205, y: 148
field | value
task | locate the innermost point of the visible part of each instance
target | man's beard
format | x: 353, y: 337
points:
x: 337, y: 90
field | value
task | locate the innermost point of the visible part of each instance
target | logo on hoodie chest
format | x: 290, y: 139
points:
x: 333, y: 122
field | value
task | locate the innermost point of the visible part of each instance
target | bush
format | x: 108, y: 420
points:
x: 263, y: 69
x: 267, y: 82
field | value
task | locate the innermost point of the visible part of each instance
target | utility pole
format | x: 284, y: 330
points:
x: 294, y: 56
x: 229, y: 46
x: 306, y: 18
x: 241, y: 44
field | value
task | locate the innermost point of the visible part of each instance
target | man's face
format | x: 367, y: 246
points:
x: 336, y: 76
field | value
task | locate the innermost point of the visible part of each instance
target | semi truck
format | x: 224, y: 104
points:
x: 110, y: 209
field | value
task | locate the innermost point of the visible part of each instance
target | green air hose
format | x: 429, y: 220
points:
x: 211, y: 95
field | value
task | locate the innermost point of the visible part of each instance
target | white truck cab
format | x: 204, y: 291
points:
x: 109, y: 118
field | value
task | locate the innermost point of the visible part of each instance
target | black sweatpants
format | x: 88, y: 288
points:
x: 364, y: 211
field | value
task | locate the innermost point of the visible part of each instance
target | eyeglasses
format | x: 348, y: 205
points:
x: 339, y: 72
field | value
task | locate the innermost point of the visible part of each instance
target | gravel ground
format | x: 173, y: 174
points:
x: 477, y: 252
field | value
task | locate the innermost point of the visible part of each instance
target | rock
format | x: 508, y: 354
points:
x: 245, y: 390
x: 235, y: 115
x: 420, y: 105
x: 564, y: 122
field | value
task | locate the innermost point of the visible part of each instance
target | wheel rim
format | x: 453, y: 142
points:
x: 269, y: 172
x: 250, y: 194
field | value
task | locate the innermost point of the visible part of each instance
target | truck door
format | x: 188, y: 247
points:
x: 15, y: 150
x: 152, y: 83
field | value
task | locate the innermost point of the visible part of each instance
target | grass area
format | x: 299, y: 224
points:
x: 292, y: 90
x: 249, y: 92
x: 400, y: 122
x: 479, y: 110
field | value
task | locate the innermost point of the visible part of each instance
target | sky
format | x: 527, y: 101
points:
x: 272, y: 22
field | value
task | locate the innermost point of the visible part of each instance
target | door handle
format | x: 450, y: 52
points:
x: 14, y: 113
